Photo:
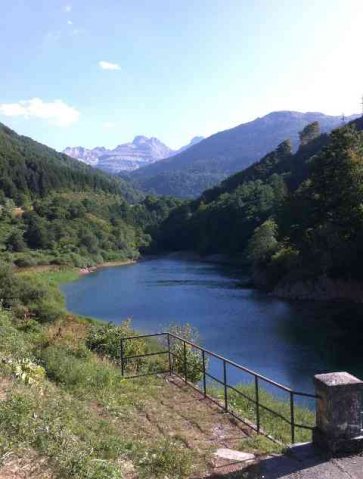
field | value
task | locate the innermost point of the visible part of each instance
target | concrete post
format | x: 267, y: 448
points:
x: 338, y: 413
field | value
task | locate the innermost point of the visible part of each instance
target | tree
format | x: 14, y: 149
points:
x: 309, y: 133
x: 263, y: 243
x: 337, y: 181
x: 36, y: 234
x: 15, y: 241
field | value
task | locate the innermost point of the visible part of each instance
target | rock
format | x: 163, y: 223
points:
x: 232, y: 455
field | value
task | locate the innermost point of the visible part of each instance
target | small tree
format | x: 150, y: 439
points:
x: 15, y: 242
x: 193, y: 359
x: 263, y: 243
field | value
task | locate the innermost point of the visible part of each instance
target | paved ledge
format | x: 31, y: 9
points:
x: 305, y: 462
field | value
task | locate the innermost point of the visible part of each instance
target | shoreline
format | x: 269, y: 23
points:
x: 107, y: 264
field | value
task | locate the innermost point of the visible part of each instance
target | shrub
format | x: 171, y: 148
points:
x: 64, y: 367
x: 194, y: 362
x: 105, y: 339
x: 28, y: 371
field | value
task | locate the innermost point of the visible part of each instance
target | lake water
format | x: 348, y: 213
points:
x: 286, y: 341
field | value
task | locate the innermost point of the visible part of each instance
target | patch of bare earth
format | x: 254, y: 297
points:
x: 28, y: 465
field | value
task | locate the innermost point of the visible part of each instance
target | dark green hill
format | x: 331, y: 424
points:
x: 204, y: 165
x: 54, y: 209
x: 28, y: 168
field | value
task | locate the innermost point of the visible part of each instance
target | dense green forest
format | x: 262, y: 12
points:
x: 54, y: 209
x: 290, y: 215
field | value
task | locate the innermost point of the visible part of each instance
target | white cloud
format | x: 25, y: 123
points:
x: 109, y: 66
x: 56, y: 112
x: 69, y: 22
x: 67, y: 8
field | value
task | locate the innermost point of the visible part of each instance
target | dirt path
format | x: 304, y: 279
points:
x: 176, y: 411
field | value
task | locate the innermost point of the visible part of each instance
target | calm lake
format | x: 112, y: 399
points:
x: 287, y: 341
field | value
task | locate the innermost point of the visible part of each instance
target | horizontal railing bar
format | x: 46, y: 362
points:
x: 146, y: 374
x: 242, y: 394
x: 231, y: 412
x: 260, y: 404
x: 143, y: 336
x: 228, y: 361
x: 232, y: 363
x: 311, y: 428
x: 145, y: 355
x: 214, y: 378
x: 275, y: 413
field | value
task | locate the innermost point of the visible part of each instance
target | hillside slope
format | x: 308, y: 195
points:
x: 207, y: 163
x: 54, y: 209
x: 29, y: 168
x: 290, y: 215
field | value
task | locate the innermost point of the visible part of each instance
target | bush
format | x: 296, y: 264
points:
x: 105, y: 339
x: 194, y: 362
x: 67, y: 368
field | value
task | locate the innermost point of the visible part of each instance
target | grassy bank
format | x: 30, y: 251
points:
x: 65, y: 407
x: 62, y: 396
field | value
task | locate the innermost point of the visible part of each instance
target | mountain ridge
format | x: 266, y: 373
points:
x: 189, y: 173
x: 126, y: 157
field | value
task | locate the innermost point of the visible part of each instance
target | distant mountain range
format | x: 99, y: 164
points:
x: 140, y: 152
x: 188, y: 173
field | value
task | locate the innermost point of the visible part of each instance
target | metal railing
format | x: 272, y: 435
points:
x: 257, y: 380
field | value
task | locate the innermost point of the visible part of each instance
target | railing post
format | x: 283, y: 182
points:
x: 225, y: 385
x: 169, y: 355
x: 122, y: 357
x: 338, y: 414
x: 257, y: 396
x: 185, y: 362
x: 204, y: 375
x: 292, y: 417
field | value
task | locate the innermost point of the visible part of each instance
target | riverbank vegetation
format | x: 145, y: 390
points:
x: 292, y: 216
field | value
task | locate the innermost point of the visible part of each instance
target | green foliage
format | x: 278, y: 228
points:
x: 30, y: 170
x: 263, y: 243
x: 27, y: 371
x: 105, y: 340
x: 168, y: 458
x: 80, y: 445
x: 64, y: 366
x: 288, y: 214
x: 270, y: 423
x: 186, y: 362
x: 57, y: 210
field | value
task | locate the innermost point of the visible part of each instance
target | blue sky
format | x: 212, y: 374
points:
x: 99, y: 72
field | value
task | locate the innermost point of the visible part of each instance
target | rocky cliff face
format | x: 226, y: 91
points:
x: 140, y: 152
x: 125, y: 157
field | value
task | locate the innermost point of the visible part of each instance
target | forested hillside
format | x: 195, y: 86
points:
x: 54, y: 209
x: 288, y: 215
x: 204, y: 165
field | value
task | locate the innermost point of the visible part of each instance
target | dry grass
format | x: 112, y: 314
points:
x: 25, y: 465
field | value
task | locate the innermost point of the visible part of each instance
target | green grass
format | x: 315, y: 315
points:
x: 270, y: 423
x: 80, y: 414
